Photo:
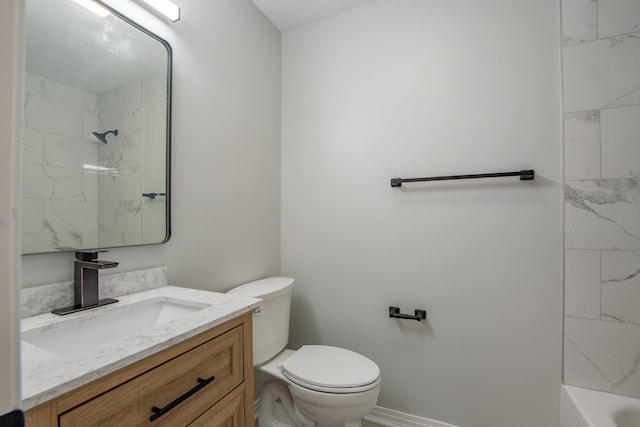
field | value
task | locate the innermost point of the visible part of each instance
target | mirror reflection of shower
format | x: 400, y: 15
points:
x: 99, y: 177
x: 102, y: 137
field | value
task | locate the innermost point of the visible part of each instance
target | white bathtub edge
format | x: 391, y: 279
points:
x: 582, y: 407
x: 570, y: 413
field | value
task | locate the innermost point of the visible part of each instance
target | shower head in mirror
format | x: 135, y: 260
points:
x: 102, y: 137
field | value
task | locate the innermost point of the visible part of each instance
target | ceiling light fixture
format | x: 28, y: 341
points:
x: 165, y: 7
x: 93, y: 7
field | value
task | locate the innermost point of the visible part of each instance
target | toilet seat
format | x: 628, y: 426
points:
x: 334, y: 390
x: 331, y: 370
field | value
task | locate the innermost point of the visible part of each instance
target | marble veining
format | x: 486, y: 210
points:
x: 43, y: 299
x: 603, y: 355
x: 601, y: 90
x: 582, y: 145
x: 45, y: 375
x: 582, y: 284
x: 579, y: 21
x: 620, y: 129
x: 115, y: 285
x: 614, y: 381
x: 61, y: 156
x: 602, y: 214
x: 621, y: 286
x: 603, y: 73
x: 617, y: 17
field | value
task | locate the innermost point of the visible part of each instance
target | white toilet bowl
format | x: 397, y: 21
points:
x: 297, y: 380
x: 314, y: 386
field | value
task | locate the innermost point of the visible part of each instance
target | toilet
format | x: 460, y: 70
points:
x: 317, y: 385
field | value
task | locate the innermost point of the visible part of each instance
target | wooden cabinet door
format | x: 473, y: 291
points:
x: 229, y: 412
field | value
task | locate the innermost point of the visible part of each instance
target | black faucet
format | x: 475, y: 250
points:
x: 85, y: 286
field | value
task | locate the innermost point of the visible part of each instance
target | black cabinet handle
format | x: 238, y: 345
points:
x: 157, y: 412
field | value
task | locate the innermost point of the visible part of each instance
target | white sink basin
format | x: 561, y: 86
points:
x: 92, y: 328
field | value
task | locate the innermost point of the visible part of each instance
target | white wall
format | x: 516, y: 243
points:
x: 408, y: 88
x: 11, y: 81
x: 225, y: 152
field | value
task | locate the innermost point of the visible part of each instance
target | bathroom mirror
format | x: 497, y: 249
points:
x: 97, y: 130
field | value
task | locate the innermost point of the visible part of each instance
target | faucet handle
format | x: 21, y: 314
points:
x: 88, y: 255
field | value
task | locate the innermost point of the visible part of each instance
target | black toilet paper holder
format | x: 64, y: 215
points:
x: 419, y: 314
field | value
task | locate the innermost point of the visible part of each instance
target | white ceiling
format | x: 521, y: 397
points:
x: 286, y: 14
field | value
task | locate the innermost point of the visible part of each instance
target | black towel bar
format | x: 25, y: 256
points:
x: 525, y: 175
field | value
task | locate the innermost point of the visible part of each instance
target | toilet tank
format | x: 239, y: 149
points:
x: 271, y: 319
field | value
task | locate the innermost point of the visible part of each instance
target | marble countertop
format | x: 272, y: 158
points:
x: 47, y: 375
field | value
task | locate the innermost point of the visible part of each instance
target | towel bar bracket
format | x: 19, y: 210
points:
x: 419, y: 314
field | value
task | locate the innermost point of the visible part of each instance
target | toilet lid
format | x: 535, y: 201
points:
x: 330, y: 367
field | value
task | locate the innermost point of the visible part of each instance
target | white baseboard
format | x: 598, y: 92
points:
x: 390, y: 418
x: 385, y: 417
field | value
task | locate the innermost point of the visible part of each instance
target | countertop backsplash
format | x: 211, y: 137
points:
x: 43, y: 299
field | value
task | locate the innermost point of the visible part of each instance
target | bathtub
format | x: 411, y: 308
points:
x: 582, y: 407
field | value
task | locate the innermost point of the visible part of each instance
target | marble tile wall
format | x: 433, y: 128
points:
x: 154, y: 178
x: 120, y: 205
x: 60, y: 193
x: 601, y: 87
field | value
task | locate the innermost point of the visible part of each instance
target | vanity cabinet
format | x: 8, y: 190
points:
x: 206, y: 380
